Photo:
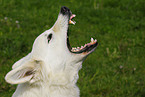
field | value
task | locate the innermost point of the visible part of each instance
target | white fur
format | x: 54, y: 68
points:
x: 50, y: 70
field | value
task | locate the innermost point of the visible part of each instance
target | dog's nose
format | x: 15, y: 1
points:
x: 65, y: 10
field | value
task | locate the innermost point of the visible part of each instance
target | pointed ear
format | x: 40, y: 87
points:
x: 24, y: 73
x: 21, y: 61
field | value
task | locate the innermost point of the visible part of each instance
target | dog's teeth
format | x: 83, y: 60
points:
x: 92, y: 40
x: 73, y: 49
x: 72, y: 22
x: 78, y: 48
x: 73, y: 15
x: 95, y: 40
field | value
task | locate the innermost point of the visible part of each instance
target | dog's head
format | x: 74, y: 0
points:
x: 52, y: 55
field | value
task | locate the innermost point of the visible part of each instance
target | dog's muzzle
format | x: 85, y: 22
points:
x: 66, y: 11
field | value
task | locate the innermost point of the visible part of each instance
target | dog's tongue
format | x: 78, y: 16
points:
x: 70, y: 21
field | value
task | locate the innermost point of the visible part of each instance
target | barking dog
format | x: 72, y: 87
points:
x: 51, y: 68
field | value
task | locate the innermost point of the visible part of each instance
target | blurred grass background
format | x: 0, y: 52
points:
x: 115, y: 69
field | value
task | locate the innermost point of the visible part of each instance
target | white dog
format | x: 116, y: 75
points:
x: 51, y: 69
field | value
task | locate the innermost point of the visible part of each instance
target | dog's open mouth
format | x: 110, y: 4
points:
x: 89, y: 47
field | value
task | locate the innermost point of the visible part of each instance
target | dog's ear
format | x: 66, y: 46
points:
x: 21, y: 61
x: 26, y: 72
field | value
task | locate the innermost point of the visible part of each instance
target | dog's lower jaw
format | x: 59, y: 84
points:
x: 24, y: 90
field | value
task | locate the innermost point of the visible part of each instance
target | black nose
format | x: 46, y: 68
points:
x: 65, y: 10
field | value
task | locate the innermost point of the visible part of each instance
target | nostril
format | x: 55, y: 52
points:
x: 64, y: 9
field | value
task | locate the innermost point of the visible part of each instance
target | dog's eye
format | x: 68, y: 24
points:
x: 49, y: 37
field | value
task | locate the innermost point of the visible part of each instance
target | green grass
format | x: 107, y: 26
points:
x: 115, y: 69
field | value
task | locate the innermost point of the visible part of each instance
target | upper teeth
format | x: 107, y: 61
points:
x: 72, y: 22
x: 73, y: 15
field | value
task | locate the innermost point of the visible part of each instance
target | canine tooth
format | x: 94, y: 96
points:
x: 92, y: 40
x: 72, y: 22
x: 95, y: 40
x: 72, y: 16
